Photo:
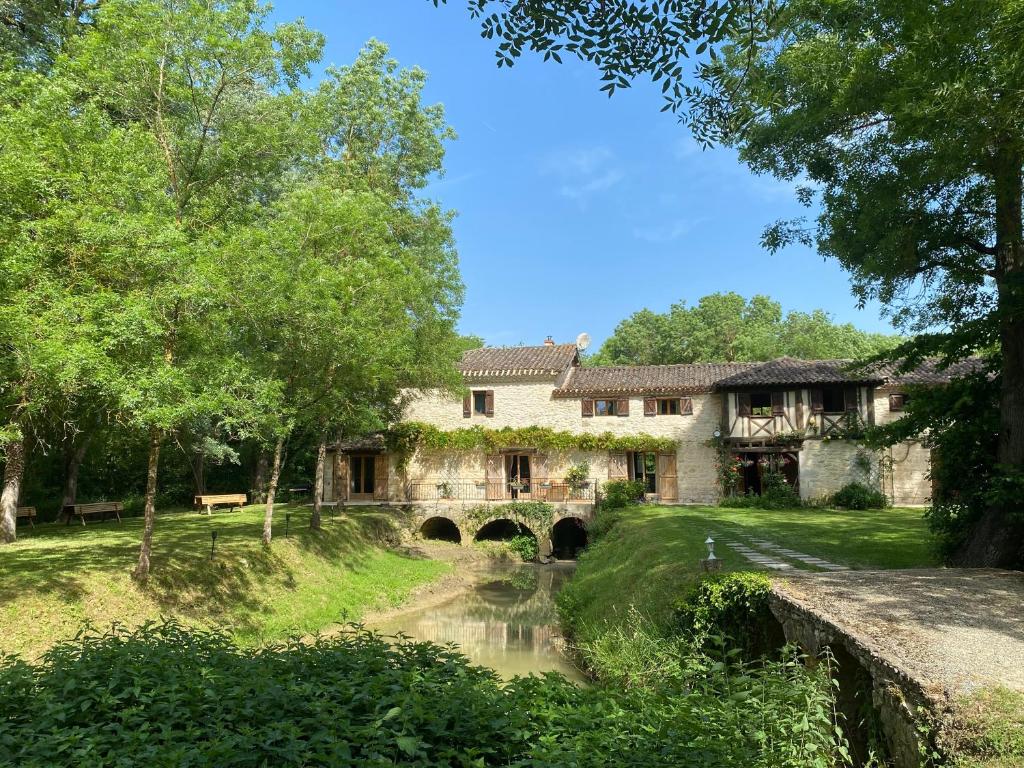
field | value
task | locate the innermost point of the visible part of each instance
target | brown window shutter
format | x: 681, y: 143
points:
x: 686, y: 406
x: 778, y: 403
x: 817, y: 401
x: 850, y: 398
x: 650, y: 406
x: 622, y: 407
x: 467, y: 405
x: 896, y: 402
x: 588, y: 407
x: 743, y: 403
x: 489, y: 402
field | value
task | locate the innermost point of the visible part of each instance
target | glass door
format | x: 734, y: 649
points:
x: 644, y: 467
x: 361, y: 477
x: 518, y: 474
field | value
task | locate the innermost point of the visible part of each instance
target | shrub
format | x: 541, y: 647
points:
x: 578, y: 475
x: 745, y: 501
x: 622, y: 493
x: 730, y: 609
x: 858, y: 496
x: 525, y: 546
x: 776, y: 493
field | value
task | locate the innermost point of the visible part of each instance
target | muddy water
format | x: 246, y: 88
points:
x: 507, y: 621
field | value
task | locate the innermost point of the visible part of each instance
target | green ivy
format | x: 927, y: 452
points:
x: 409, y: 436
x: 536, y: 515
x: 732, y: 607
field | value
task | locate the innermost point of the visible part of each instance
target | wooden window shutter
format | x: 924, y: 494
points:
x: 494, y: 469
x: 799, y: 409
x: 896, y: 402
x: 743, y: 403
x: 622, y: 407
x: 686, y: 406
x: 650, y: 406
x: 850, y: 398
x: 668, y: 487
x: 588, y: 407
x: 817, y: 401
x: 380, y: 477
x: 778, y: 403
x: 618, y: 466
x: 489, y: 402
x: 467, y: 405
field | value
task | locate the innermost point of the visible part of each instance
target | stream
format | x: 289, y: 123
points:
x: 507, y: 621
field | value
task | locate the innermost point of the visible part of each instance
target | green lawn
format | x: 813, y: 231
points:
x: 56, y: 577
x: 649, y: 558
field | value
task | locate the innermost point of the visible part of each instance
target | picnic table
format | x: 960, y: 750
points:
x: 211, y: 500
x: 101, y: 508
x: 29, y: 512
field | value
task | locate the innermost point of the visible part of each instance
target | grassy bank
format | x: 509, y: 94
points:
x: 652, y: 554
x: 56, y: 577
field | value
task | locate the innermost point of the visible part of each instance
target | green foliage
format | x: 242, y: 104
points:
x: 408, y: 437
x: 724, y: 327
x: 535, y: 515
x: 525, y: 546
x: 858, y: 496
x: 731, y: 608
x: 616, y: 494
x: 578, y: 475
x: 603, y: 521
x: 185, y: 696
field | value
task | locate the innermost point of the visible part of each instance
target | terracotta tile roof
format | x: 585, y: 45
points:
x: 545, y: 360
x: 682, y: 379
x: 930, y: 373
x: 786, y: 371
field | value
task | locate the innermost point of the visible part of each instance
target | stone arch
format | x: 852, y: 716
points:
x: 568, y: 538
x: 440, y: 528
x: 502, y: 529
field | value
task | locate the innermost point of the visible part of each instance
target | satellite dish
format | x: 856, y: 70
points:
x: 582, y: 341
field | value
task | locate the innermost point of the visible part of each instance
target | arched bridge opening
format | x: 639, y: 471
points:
x: 568, y: 538
x: 441, y: 529
x: 502, y: 529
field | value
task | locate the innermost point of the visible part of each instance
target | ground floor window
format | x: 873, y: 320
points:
x: 644, y: 467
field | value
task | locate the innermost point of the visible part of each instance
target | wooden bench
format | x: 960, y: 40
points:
x: 212, y: 500
x: 101, y: 508
x: 29, y: 512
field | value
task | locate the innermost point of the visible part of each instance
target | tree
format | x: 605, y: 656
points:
x: 725, y: 327
x: 905, y: 118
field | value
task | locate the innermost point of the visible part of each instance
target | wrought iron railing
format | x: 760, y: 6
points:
x: 509, y: 490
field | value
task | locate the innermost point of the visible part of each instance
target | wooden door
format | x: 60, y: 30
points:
x: 380, y: 477
x: 495, y: 477
x: 362, y: 479
x: 668, y: 488
x: 341, y: 478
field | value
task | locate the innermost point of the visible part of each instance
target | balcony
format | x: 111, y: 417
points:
x: 486, y: 490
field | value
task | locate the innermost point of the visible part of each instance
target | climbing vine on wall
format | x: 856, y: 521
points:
x: 535, y: 515
x: 404, y: 439
x: 728, y: 465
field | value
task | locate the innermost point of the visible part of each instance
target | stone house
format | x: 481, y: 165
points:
x: 666, y: 425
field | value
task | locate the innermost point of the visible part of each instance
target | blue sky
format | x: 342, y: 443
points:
x: 575, y: 210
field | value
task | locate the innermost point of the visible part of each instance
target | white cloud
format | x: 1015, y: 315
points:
x: 583, y: 172
x: 667, y: 232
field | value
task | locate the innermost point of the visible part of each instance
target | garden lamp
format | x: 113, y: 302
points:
x: 711, y: 548
x: 213, y: 542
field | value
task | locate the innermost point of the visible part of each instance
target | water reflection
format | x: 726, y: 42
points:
x: 507, y: 622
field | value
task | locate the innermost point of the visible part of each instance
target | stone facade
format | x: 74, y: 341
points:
x: 545, y: 387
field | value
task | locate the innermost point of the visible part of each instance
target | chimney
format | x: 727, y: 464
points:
x: 549, y: 342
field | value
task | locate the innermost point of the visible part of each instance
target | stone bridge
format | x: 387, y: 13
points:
x: 911, y: 645
x: 460, y: 522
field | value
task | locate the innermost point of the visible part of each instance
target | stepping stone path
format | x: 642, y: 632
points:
x: 775, y: 549
x: 758, y: 557
x: 771, y: 552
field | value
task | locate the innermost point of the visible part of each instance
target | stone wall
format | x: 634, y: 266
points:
x: 530, y: 403
x: 828, y: 465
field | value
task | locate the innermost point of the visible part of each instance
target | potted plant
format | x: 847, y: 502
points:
x: 444, y: 490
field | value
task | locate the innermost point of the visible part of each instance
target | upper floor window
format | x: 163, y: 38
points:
x: 605, y: 407
x: 479, y: 402
x: 834, y: 399
x: 668, y: 406
x: 898, y: 401
x: 760, y: 403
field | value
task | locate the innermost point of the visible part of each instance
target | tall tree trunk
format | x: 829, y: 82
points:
x: 318, y: 483
x: 259, y: 491
x: 275, y: 476
x: 14, y: 471
x: 149, y: 516
x: 73, y: 457
x: 997, y: 541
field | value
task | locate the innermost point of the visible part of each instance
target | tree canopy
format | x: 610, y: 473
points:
x: 725, y: 327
